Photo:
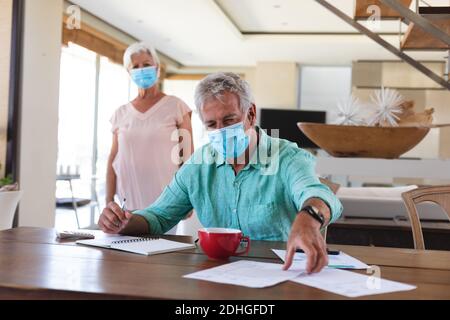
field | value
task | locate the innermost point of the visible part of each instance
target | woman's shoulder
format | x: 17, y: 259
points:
x: 121, y: 112
x: 175, y: 101
x: 123, y: 109
x: 177, y: 107
x: 171, y: 98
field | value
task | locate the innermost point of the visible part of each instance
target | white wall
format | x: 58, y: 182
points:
x: 39, y: 114
x: 5, y: 44
x: 444, y: 151
x: 275, y: 85
x: 321, y: 88
x: 440, y: 101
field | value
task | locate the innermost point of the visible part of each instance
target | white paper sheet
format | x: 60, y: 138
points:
x: 247, y: 273
x: 350, y: 284
x: 341, y: 261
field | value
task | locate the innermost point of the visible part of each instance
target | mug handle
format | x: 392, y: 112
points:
x: 247, y: 249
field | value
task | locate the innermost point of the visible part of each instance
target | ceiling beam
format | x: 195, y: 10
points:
x: 111, y: 30
x: 227, y: 18
x: 417, y: 65
x: 317, y: 33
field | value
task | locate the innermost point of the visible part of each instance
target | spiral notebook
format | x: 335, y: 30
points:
x: 144, y: 246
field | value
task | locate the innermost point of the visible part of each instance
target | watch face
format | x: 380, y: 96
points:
x: 316, y: 210
x: 318, y: 214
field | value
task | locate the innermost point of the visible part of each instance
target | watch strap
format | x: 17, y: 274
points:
x: 313, y: 212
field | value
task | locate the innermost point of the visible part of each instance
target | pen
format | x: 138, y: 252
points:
x: 330, y: 252
x: 124, y: 207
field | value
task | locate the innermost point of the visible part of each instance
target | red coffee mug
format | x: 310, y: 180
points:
x: 221, y: 243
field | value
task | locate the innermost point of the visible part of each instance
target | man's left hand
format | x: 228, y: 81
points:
x: 305, y: 235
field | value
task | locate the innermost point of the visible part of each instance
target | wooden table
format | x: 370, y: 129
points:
x: 34, y: 265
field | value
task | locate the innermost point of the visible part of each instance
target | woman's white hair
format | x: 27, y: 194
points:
x: 216, y: 84
x: 139, y: 47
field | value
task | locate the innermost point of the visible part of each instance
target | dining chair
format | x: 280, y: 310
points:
x: 439, y: 195
x: 333, y: 186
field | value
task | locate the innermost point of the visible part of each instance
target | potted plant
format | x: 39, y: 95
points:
x: 9, y: 199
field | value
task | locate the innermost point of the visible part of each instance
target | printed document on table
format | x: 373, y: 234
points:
x: 350, y: 284
x: 340, y: 261
x: 247, y: 273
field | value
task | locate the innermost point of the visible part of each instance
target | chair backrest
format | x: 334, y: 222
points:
x: 335, y: 188
x: 439, y: 195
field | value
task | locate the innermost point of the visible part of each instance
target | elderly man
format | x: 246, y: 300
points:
x: 244, y: 179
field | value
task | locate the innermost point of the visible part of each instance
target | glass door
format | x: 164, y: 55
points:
x: 91, y: 89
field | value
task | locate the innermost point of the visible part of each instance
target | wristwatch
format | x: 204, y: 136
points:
x: 315, y: 213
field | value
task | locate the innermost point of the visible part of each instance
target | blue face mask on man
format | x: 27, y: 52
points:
x: 231, y: 142
x: 144, y: 78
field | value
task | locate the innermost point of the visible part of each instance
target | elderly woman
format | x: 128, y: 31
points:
x: 147, y: 135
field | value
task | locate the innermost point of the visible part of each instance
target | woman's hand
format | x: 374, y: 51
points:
x: 113, y: 220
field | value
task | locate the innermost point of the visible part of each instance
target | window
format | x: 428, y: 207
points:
x: 115, y: 89
x: 76, y: 117
x: 84, y: 136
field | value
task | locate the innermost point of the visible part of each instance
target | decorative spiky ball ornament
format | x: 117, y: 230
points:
x: 349, y: 112
x: 387, y: 103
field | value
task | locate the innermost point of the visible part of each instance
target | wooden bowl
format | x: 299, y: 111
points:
x: 364, y: 142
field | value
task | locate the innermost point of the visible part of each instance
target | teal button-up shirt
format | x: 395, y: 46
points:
x: 262, y: 200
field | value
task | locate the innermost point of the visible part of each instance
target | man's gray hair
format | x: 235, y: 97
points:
x: 216, y: 84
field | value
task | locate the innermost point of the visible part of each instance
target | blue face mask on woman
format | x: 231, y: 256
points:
x: 145, y: 77
x: 231, y: 142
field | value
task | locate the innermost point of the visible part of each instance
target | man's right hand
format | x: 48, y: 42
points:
x: 113, y: 220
